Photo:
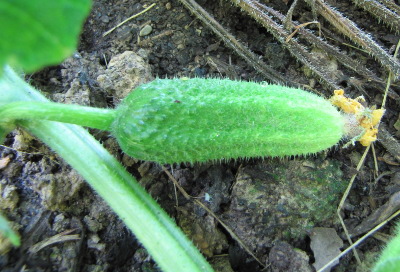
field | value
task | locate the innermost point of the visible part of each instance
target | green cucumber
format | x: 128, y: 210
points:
x: 175, y: 120
x: 389, y: 259
x: 197, y: 120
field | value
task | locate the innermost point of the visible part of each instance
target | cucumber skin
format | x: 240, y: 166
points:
x: 197, y: 120
x: 389, y: 259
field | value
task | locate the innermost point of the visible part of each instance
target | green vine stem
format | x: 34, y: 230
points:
x: 169, y: 247
x: 65, y: 113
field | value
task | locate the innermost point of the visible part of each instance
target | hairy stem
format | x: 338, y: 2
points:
x: 381, y: 12
x: 349, y: 29
x: 277, y: 30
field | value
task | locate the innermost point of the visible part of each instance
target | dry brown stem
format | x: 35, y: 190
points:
x: 382, y: 12
x: 233, y: 43
x: 349, y: 29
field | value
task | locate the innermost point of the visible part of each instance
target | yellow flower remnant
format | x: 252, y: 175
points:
x: 368, y: 119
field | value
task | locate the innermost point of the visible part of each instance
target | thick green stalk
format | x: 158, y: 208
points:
x: 65, y: 113
x: 169, y: 247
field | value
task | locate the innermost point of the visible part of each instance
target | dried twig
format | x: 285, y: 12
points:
x: 391, y: 4
x: 252, y: 8
x: 62, y: 237
x: 323, y: 45
x: 297, y: 28
x: 380, y: 11
x: 389, y: 142
x: 349, y: 29
x: 344, y: 197
x: 359, y: 241
x: 233, y: 43
x: 373, y: 80
x: 148, y: 41
x: 130, y: 18
x: 378, y: 216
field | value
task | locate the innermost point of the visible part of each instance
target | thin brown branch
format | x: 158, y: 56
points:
x: 381, y: 12
x: 389, y: 142
x: 279, y: 33
x: 323, y: 45
x: 233, y: 43
x: 349, y: 29
x: 390, y: 4
x: 289, y: 15
x: 370, y: 77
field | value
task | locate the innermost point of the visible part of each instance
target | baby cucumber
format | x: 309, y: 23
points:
x: 196, y: 120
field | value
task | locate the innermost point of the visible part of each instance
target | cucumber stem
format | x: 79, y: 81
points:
x: 65, y: 113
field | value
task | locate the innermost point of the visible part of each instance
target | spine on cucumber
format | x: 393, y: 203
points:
x: 178, y: 120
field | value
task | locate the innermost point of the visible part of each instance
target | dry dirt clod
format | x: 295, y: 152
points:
x: 283, y: 257
x: 210, y: 240
x: 124, y: 72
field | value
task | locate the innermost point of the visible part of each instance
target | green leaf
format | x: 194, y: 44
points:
x: 37, y: 33
x: 8, y: 232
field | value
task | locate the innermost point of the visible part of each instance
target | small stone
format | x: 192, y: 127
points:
x: 105, y: 19
x: 4, y: 161
x: 93, y: 242
x: 146, y: 30
x: 120, y: 79
x: 326, y: 244
x: 93, y: 224
x: 168, y: 6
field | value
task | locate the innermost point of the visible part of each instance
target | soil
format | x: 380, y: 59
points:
x: 273, y: 206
